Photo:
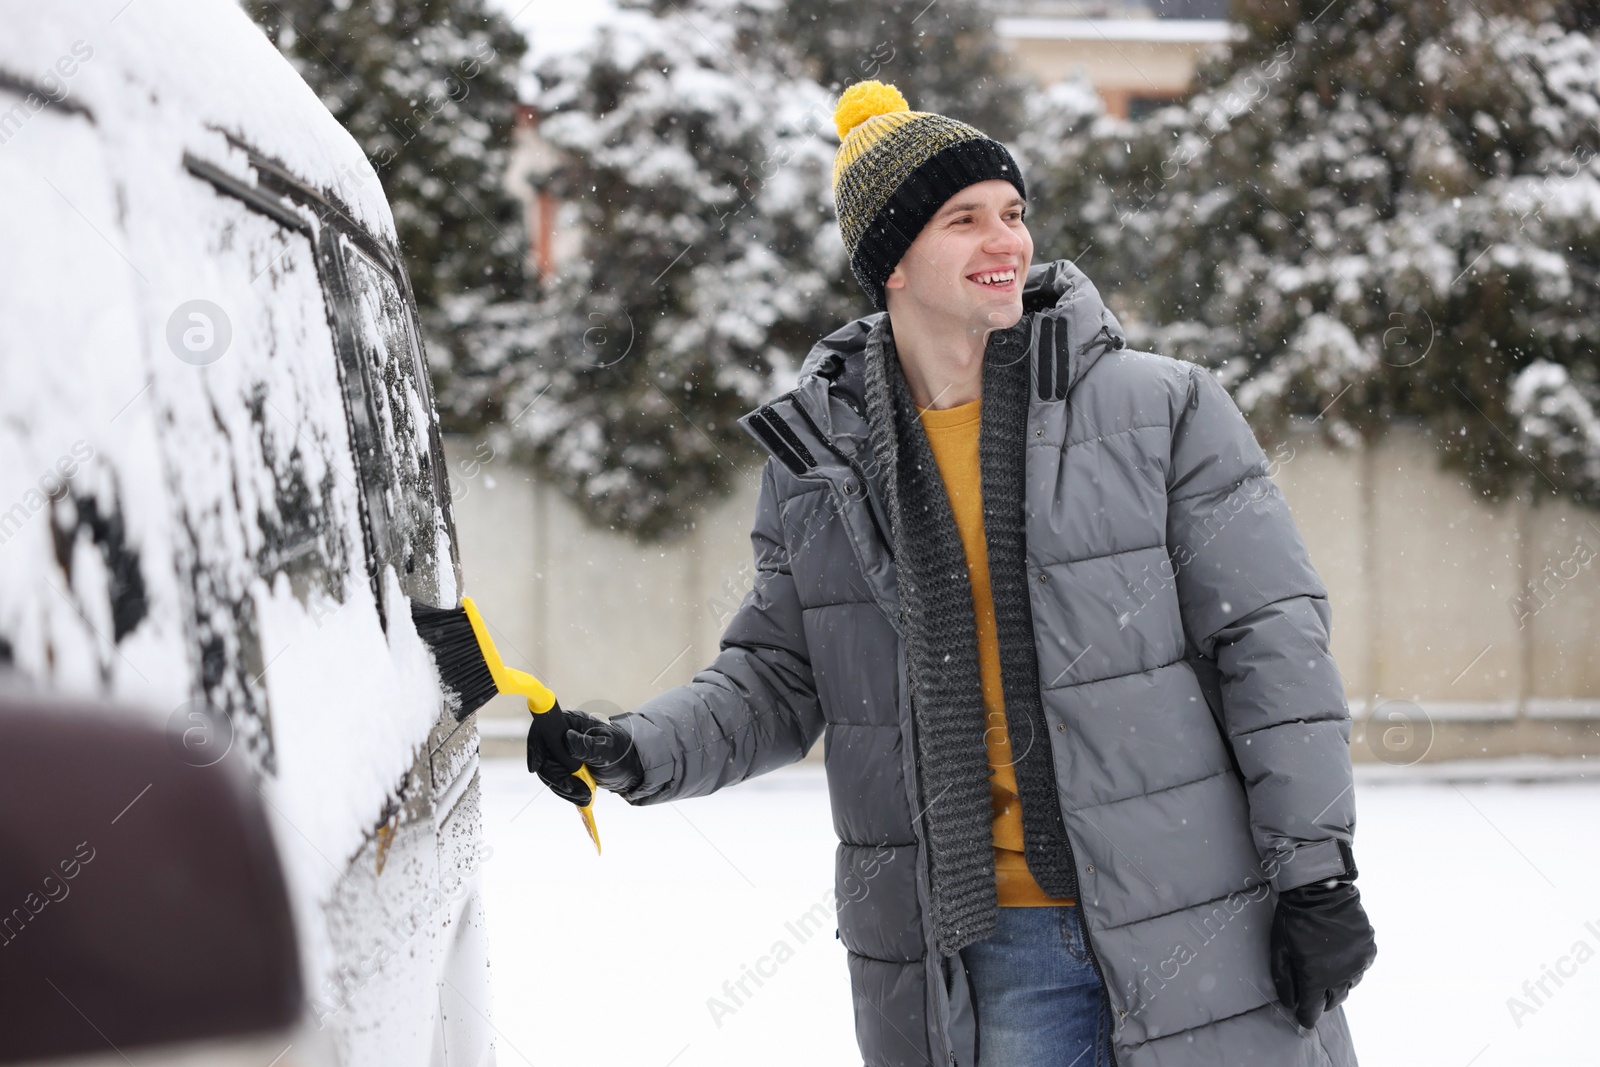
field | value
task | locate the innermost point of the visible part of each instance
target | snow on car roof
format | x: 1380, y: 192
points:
x: 177, y: 71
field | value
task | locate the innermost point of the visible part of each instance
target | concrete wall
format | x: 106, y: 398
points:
x: 1435, y: 623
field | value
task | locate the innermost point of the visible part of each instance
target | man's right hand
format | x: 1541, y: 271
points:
x: 560, y: 741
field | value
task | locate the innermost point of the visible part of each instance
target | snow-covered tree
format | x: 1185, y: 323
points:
x: 698, y: 168
x: 1366, y: 210
x: 428, y: 90
x: 698, y: 150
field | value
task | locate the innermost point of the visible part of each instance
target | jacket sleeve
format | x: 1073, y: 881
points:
x: 756, y: 707
x: 1256, y: 611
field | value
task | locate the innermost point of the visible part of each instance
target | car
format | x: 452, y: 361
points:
x: 222, y: 486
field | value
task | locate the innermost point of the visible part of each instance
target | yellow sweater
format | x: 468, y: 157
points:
x: 953, y: 433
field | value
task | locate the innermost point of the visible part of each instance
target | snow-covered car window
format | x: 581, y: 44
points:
x: 388, y: 399
x: 393, y: 440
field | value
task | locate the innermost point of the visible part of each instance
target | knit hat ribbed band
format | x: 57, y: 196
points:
x: 895, y: 169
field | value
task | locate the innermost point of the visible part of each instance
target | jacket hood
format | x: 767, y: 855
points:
x: 1058, y: 285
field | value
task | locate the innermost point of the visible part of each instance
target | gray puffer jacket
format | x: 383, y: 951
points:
x: 1197, y: 723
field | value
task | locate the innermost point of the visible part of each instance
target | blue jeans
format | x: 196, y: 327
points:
x: 1039, y: 1002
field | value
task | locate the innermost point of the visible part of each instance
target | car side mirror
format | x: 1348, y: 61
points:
x: 142, y: 901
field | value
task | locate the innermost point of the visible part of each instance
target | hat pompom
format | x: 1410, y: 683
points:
x: 863, y: 101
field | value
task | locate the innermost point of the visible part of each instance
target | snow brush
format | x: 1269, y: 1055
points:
x: 471, y: 671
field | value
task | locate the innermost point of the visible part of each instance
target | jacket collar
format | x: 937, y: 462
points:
x: 822, y: 421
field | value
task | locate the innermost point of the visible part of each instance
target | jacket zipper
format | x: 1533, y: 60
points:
x: 855, y: 468
x: 1072, y: 861
x: 1088, y: 943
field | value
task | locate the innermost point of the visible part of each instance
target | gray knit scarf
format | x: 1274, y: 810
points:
x: 942, y: 640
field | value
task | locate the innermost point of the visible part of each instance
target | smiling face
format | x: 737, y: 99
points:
x: 966, y: 268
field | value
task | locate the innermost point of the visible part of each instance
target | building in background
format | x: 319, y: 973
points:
x: 533, y: 160
x: 1136, y: 55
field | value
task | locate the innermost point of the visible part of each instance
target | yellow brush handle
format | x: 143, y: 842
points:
x: 523, y: 684
x: 587, y: 811
x: 582, y: 773
x: 540, y: 700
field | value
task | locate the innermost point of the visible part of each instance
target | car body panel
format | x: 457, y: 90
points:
x: 221, y: 478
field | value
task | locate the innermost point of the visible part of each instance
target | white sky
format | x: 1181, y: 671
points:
x: 555, y: 26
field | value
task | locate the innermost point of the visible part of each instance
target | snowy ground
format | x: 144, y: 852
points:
x: 1474, y: 890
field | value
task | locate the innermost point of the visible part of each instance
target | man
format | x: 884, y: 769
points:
x: 1086, y: 748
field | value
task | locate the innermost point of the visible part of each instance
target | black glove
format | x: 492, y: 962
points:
x: 1321, y: 945
x: 560, y: 741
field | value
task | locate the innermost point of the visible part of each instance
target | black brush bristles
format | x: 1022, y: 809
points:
x: 463, y: 671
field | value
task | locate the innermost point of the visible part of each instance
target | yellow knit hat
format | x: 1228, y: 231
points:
x: 895, y: 168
